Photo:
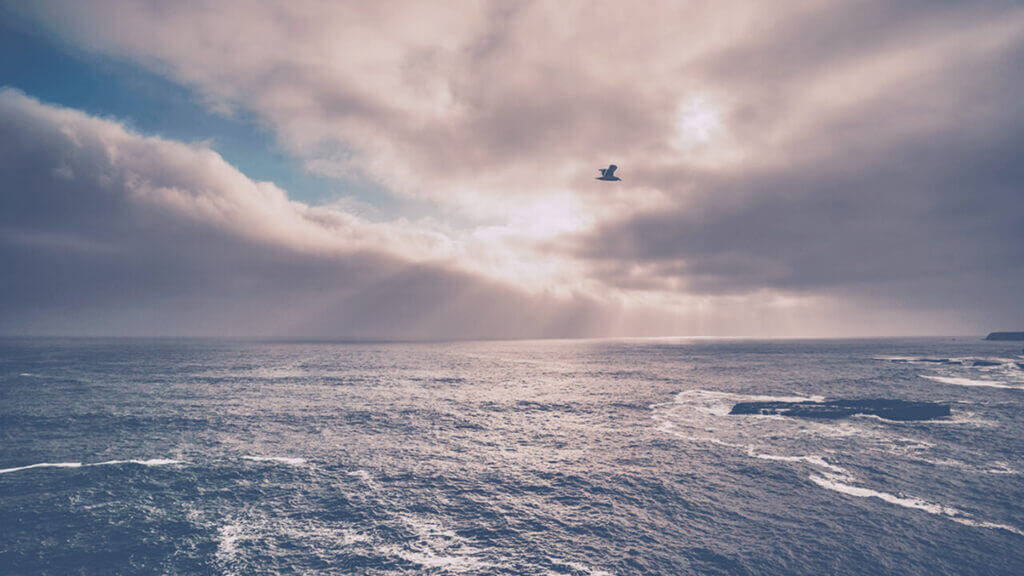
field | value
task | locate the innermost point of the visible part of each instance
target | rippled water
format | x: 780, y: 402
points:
x: 553, y: 457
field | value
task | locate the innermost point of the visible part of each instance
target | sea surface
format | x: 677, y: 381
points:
x: 594, y: 458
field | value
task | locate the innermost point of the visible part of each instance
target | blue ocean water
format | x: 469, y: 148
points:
x: 542, y: 457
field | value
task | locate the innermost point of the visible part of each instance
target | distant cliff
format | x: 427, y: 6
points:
x: 1005, y: 336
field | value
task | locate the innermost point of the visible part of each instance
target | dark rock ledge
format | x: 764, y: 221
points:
x: 832, y: 409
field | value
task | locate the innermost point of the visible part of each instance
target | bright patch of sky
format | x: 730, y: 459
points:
x: 40, y: 64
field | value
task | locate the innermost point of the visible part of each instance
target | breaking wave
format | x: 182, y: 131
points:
x: 150, y: 462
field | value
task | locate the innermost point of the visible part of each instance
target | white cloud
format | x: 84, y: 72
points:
x: 497, y: 115
x: 160, y: 237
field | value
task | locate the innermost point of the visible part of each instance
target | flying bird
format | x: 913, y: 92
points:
x: 608, y: 174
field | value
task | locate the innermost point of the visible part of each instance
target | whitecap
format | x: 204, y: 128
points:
x: 151, y: 462
x: 680, y: 397
x: 954, y: 514
x: 996, y: 468
x: 920, y: 360
x: 227, y: 537
x: 436, y: 547
x: 430, y: 559
x: 955, y: 381
x: 668, y: 429
x: 813, y: 460
x: 43, y: 465
x: 281, y: 459
x: 363, y: 475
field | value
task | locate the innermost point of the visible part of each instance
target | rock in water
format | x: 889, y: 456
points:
x: 1012, y: 336
x: 832, y: 409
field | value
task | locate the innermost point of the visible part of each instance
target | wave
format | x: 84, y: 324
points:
x: 919, y: 360
x: 437, y: 547
x: 957, y: 381
x: 227, y: 537
x: 427, y: 558
x: 242, y: 532
x: 280, y: 459
x: 151, y: 462
x: 813, y: 460
x: 361, y: 474
x: 745, y: 397
x: 997, y: 468
x: 954, y: 514
x: 751, y: 450
x: 720, y: 403
x: 43, y: 465
x: 966, y: 361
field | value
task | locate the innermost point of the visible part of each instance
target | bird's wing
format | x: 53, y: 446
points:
x: 610, y: 171
x: 602, y: 171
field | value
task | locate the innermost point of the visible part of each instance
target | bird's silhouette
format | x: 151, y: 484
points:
x: 608, y: 174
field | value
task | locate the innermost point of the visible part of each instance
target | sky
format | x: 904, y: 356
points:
x: 412, y: 170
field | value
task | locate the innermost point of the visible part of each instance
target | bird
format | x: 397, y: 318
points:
x: 608, y: 174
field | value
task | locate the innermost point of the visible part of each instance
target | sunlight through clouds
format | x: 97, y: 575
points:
x: 768, y: 153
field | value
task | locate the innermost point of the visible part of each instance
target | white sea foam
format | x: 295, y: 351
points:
x: 921, y: 360
x: 363, y: 475
x: 43, y: 465
x: 436, y: 547
x: 813, y: 460
x: 151, y: 462
x: 955, y: 514
x: 681, y: 397
x: 956, y: 381
x: 1001, y: 468
x: 227, y: 537
x: 896, y: 358
x: 720, y: 403
x: 997, y: 468
x: 263, y: 529
x: 459, y: 562
x: 700, y: 439
x: 280, y: 459
x: 752, y: 451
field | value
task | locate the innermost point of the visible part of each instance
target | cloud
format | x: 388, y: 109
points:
x: 792, y: 167
x: 105, y: 231
x: 453, y: 102
x: 902, y: 186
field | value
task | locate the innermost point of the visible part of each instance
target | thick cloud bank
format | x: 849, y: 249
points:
x: 103, y: 231
x: 789, y: 168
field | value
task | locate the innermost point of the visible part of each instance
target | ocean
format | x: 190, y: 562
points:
x: 593, y: 457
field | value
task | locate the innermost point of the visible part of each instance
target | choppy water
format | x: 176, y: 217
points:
x: 582, y: 458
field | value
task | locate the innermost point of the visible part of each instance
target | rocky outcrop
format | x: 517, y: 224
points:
x: 833, y: 409
x: 1010, y: 336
